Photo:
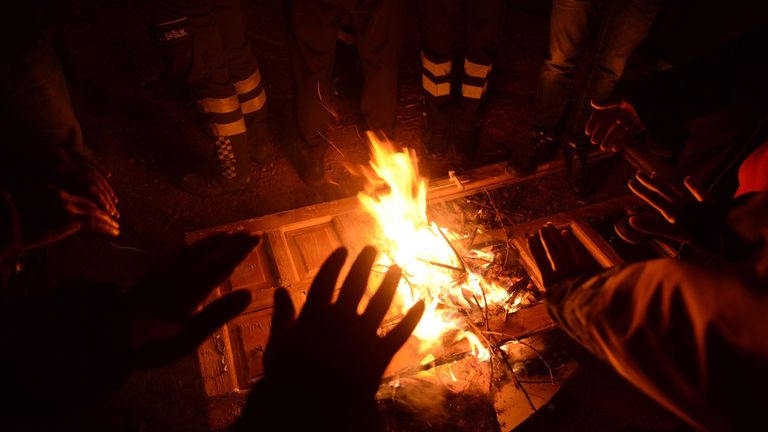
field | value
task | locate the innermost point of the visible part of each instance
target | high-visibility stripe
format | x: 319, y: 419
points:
x: 476, y: 70
x: 436, y: 69
x: 225, y: 129
x: 473, y: 92
x: 218, y: 105
x: 248, y: 84
x: 254, y: 104
x: 435, y: 89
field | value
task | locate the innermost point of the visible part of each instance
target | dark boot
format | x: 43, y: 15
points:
x: 260, y: 142
x: 540, y: 148
x: 235, y: 169
x: 464, y: 138
x: 576, y: 167
x: 435, y: 133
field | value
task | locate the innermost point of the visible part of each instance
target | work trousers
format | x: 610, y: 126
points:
x: 442, y: 23
x: 205, y: 44
x: 624, y: 26
x: 314, y: 26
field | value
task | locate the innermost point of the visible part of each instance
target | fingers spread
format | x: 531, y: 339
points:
x: 557, y: 251
x: 380, y: 302
x: 198, y: 328
x: 658, y: 202
x: 659, y: 185
x: 698, y: 192
x: 283, y: 315
x: 539, y: 255
x: 357, y: 281
x: 321, y: 291
x: 398, y: 335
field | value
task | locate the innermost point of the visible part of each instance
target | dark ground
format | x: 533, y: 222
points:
x: 144, y: 130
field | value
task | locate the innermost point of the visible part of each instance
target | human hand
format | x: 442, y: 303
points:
x: 163, y: 309
x: 329, y: 361
x: 47, y: 214
x: 664, y: 197
x: 558, y: 254
x: 613, y: 125
x: 80, y: 175
x: 341, y: 344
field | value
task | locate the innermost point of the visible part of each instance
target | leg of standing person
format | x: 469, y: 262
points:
x: 622, y: 29
x: 35, y: 102
x: 568, y: 31
x: 190, y: 40
x: 440, y: 23
x: 312, y: 31
x: 246, y: 78
x: 380, y: 36
x: 485, y: 25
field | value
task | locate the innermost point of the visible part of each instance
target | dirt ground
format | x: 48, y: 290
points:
x: 145, y: 131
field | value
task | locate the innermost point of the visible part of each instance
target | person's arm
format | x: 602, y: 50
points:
x: 692, y: 338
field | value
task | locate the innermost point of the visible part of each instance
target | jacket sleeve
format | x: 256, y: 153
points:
x: 693, y: 338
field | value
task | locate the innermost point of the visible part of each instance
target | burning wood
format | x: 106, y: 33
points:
x: 460, y: 299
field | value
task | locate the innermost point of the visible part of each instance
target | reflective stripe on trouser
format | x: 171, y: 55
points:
x: 436, y: 77
x: 475, y: 80
x: 251, y: 94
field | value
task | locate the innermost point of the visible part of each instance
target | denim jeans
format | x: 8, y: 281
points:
x: 624, y: 26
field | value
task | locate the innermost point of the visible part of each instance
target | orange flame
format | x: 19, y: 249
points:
x: 433, y: 271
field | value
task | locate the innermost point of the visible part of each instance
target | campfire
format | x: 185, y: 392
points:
x: 461, y: 292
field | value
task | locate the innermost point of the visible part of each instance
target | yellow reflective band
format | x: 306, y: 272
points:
x: 476, y: 70
x: 436, y: 69
x: 248, y: 84
x: 225, y: 129
x: 254, y: 104
x: 433, y: 88
x: 219, y: 106
x: 473, y: 92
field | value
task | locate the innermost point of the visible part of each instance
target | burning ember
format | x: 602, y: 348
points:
x: 435, y: 267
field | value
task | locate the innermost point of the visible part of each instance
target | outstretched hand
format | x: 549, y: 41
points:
x: 163, y: 309
x: 613, y: 125
x: 330, y: 360
x: 558, y: 254
x: 688, y: 213
x: 47, y: 214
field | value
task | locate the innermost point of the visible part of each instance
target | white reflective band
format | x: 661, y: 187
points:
x: 473, y: 92
x: 219, y: 106
x: 435, y: 89
x: 254, y: 104
x: 436, y: 69
x: 225, y: 129
x: 476, y: 70
x: 248, y: 84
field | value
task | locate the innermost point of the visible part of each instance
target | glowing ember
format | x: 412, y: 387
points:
x: 433, y: 269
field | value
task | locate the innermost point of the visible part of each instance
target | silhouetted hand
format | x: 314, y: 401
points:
x: 323, y: 368
x: 47, y: 214
x: 163, y: 309
x: 559, y: 255
x: 613, y: 125
x: 83, y: 176
x: 74, y: 345
x: 663, y: 196
x: 688, y: 214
